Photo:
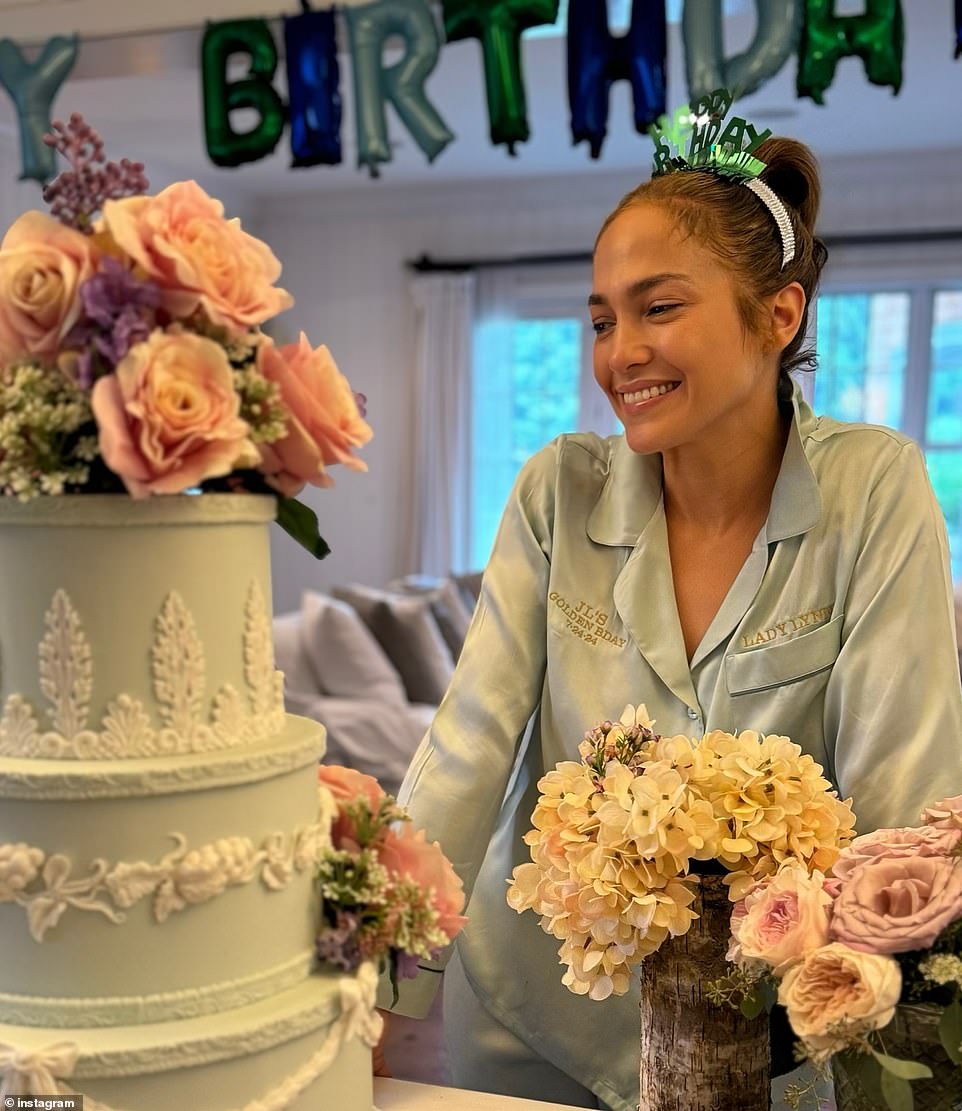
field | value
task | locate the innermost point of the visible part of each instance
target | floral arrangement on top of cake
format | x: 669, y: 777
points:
x: 389, y: 895
x: 867, y: 960
x: 619, y: 837
x: 132, y: 355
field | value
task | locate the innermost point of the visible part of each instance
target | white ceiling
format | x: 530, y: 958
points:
x: 144, y: 95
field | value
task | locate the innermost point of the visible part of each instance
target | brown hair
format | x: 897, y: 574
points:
x: 735, y: 224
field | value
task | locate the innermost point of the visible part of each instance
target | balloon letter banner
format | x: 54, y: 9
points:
x: 313, y: 84
x: 958, y: 28
x: 877, y: 37
x: 32, y: 87
x: 401, y: 83
x: 596, y: 58
x: 498, y: 24
x: 226, y: 146
x: 707, y: 68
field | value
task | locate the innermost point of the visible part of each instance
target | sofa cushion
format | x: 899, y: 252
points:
x: 407, y: 631
x: 346, y: 659
x: 469, y: 584
x: 447, y: 605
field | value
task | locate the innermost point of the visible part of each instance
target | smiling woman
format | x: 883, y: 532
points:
x: 731, y: 560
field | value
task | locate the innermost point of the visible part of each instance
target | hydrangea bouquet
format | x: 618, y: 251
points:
x: 619, y: 838
x: 389, y: 895
x: 844, y: 950
x: 132, y: 356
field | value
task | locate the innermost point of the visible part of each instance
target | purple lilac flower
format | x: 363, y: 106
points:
x: 361, y: 402
x: 406, y: 965
x: 78, y: 193
x: 338, y: 945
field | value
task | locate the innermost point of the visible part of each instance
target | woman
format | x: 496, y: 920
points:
x: 731, y: 561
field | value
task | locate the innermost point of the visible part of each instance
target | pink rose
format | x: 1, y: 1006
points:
x: 408, y: 854
x: 348, y: 787
x: 181, y: 239
x: 946, y: 814
x: 42, y: 266
x: 324, y: 422
x: 899, y: 904
x: 839, y: 987
x: 168, y: 417
x: 781, y: 919
x: 893, y: 844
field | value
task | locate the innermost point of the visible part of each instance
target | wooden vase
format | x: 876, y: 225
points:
x: 697, y: 1055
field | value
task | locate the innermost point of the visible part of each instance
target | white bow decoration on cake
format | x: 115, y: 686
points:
x: 358, y: 996
x: 36, y: 1073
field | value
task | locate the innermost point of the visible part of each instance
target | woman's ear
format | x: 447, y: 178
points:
x: 788, y: 307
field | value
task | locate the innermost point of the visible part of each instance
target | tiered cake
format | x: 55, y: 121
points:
x: 160, y: 821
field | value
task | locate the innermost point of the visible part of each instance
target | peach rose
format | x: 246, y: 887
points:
x: 891, y: 844
x: 898, y: 904
x: 781, y: 920
x: 168, y: 417
x: 407, y: 853
x: 946, y: 814
x: 324, y: 422
x: 42, y: 266
x: 180, y: 239
x: 349, y: 786
x: 839, y: 987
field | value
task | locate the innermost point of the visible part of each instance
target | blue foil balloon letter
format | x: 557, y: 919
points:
x: 32, y: 87
x: 252, y: 37
x: 776, y: 36
x: 313, y: 83
x: 596, y: 59
x: 402, y: 83
x: 498, y: 24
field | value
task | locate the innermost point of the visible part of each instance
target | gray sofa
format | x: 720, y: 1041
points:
x: 372, y: 665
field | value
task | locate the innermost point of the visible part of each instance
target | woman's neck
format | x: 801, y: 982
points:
x: 726, y: 482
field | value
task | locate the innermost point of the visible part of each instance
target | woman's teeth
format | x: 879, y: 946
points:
x: 648, y: 394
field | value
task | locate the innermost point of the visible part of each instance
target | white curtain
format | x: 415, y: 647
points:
x: 437, y: 542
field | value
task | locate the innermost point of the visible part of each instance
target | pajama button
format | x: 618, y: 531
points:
x: 693, y: 714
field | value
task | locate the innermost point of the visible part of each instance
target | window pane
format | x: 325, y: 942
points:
x: 518, y: 412
x: 862, y: 341
x: 944, y: 424
x: 945, y: 471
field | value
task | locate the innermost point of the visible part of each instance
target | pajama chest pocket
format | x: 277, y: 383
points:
x: 778, y: 664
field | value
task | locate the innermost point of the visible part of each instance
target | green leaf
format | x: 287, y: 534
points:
x: 897, y: 1092
x: 865, y: 1071
x: 753, y: 1004
x: 300, y: 522
x: 950, y: 1031
x: 904, y: 1070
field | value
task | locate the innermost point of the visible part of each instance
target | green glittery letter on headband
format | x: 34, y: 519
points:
x: 725, y: 152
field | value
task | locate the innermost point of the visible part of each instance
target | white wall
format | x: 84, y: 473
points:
x: 344, y: 261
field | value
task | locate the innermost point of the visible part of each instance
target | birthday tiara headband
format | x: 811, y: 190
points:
x: 727, y: 153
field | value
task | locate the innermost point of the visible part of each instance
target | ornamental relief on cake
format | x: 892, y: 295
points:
x: 188, y: 724
x: 46, y: 887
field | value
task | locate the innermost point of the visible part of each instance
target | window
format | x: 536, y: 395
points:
x: 894, y: 357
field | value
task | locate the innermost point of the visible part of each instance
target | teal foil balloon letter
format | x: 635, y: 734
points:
x: 877, y: 36
x: 402, y: 83
x: 32, y: 87
x: 498, y: 24
x: 252, y: 37
x: 707, y: 68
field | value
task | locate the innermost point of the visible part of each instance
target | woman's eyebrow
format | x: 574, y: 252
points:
x: 643, y: 285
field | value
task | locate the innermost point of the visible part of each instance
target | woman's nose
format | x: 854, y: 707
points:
x: 629, y: 348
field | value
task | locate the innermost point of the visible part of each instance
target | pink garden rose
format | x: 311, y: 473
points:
x: 349, y: 786
x: 894, y: 905
x: 946, y: 814
x: 893, y: 844
x: 407, y: 853
x: 42, y: 266
x: 180, y: 239
x: 781, y: 920
x: 168, y: 417
x: 836, y: 986
x: 324, y: 422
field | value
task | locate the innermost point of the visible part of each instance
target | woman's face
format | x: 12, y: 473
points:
x: 671, y: 351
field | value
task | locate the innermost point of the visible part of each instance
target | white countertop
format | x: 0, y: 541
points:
x: 402, y: 1095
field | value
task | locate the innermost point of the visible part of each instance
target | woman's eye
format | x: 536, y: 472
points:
x: 660, y: 310
x: 600, y: 326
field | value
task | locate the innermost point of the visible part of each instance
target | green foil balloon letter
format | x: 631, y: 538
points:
x: 226, y: 146
x: 498, y: 24
x: 402, y: 83
x: 877, y: 37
